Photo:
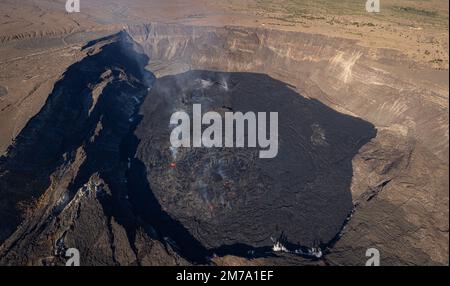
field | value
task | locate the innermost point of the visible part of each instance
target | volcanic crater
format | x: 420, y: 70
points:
x: 98, y: 162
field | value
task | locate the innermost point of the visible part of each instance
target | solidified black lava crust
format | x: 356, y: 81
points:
x: 229, y: 196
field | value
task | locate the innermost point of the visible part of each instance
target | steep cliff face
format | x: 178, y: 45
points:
x: 359, y: 165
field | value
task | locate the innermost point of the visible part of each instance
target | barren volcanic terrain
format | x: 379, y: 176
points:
x: 85, y: 106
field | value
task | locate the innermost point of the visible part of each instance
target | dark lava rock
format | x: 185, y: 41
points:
x: 230, y: 198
